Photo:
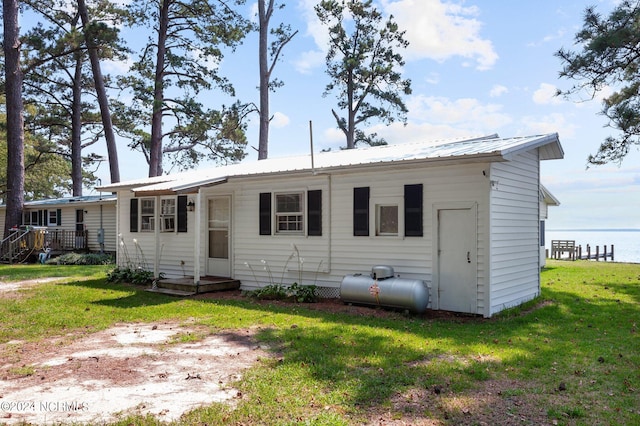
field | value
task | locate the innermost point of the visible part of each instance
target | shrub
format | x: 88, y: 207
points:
x: 134, y: 276
x: 296, y: 293
x: 82, y: 259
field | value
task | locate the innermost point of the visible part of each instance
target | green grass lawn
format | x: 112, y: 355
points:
x: 570, y: 357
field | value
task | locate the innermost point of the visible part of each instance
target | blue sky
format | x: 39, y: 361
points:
x: 477, y: 67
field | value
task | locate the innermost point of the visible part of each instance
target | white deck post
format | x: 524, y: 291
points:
x: 197, y: 239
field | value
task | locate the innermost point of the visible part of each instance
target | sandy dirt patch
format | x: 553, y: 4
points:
x: 6, y: 287
x: 129, y: 368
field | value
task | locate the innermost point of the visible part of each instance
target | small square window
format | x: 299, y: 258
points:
x: 386, y: 220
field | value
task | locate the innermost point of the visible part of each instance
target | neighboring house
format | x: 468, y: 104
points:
x: 462, y: 215
x: 546, y: 199
x: 73, y: 223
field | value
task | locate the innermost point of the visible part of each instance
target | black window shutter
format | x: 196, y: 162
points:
x: 133, y: 215
x: 361, y: 211
x: 413, y: 210
x: 314, y: 209
x: 265, y: 213
x: 58, y: 217
x: 182, y: 213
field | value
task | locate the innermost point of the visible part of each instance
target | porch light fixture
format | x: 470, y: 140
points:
x: 191, y: 205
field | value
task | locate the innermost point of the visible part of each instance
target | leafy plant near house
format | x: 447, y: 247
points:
x: 133, y: 276
x: 132, y: 271
x: 304, y: 293
x: 278, y: 291
x: 294, y: 292
x: 269, y: 292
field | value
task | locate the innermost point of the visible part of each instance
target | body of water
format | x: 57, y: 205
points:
x: 626, y: 241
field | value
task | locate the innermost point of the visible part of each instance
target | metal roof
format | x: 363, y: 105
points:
x: 64, y: 201
x: 488, y: 148
x: 548, y: 197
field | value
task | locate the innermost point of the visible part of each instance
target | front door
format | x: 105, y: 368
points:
x: 457, y: 251
x: 218, y: 241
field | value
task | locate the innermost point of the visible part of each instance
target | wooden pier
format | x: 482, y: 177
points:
x: 567, y: 250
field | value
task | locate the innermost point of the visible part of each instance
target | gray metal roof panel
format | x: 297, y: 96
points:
x: 458, y: 149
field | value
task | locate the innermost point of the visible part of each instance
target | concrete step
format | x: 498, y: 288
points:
x: 186, y: 287
x: 171, y: 292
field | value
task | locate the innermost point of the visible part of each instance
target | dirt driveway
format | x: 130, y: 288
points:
x: 130, y: 368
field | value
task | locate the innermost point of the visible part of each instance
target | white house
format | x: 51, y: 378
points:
x: 461, y: 215
x: 73, y: 223
x: 547, y: 199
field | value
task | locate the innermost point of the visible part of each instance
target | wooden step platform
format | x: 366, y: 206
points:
x: 183, y: 287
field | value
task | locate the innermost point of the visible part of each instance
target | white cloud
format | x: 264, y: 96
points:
x: 117, y: 67
x: 308, y: 60
x: 546, y: 95
x: 548, y: 38
x: 434, y: 29
x: 551, y: 123
x: 419, y: 132
x: 432, y: 78
x: 279, y: 120
x: 465, y: 113
x: 439, y: 30
x: 498, y: 90
x: 311, y: 59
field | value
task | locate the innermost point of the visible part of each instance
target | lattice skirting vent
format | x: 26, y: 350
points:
x: 328, y: 292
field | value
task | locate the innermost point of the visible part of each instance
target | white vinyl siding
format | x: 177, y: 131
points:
x: 174, y: 251
x: 515, y: 224
x: 337, y: 252
x: 92, y: 222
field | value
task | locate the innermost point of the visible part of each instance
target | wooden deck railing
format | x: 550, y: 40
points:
x: 27, y: 241
x: 63, y: 240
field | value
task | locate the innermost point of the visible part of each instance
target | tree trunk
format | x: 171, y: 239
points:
x: 155, y: 150
x: 103, y: 101
x: 351, y: 114
x: 264, y: 15
x: 76, y: 129
x: 15, y: 118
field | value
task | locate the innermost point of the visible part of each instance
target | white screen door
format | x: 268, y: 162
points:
x: 219, y: 217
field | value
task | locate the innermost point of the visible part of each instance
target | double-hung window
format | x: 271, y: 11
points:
x: 147, y: 214
x: 53, y: 218
x: 31, y: 218
x: 289, y: 213
x: 168, y: 214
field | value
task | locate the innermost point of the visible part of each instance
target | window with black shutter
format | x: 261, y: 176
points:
x: 182, y: 213
x: 265, y: 213
x: 133, y: 215
x: 413, y: 210
x: 361, y: 211
x: 314, y: 208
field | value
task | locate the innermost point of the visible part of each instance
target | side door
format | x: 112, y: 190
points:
x: 219, y: 236
x: 457, y: 260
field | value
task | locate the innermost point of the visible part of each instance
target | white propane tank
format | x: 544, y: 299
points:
x: 389, y: 292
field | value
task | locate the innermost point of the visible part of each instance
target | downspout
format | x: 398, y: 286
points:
x: 198, y: 239
x: 156, y: 231
x: 330, y: 242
